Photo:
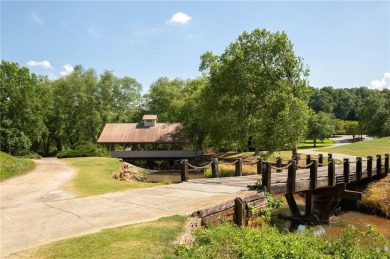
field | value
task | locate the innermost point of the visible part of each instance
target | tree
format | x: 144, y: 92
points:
x: 320, y: 126
x: 352, y: 128
x: 257, y: 90
x: 22, y: 121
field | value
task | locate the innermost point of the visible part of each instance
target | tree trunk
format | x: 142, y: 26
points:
x: 315, y: 142
x: 256, y: 151
x: 294, y: 150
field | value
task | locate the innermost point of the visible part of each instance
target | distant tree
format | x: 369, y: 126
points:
x: 352, y: 128
x: 257, y: 89
x: 320, y: 126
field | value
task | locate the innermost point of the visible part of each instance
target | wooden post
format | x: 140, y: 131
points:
x: 309, y: 203
x: 266, y: 177
x: 291, y: 177
x: 239, y: 212
x: 386, y: 164
x: 330, y: 156
x: 184, y: 170
x: 308, y: 159
x: 214, y: 168
x: 260, y: 166
x: 320, y: 160
x: 238, y: 171
x: 369, y: 166
x: 358, y: 168
x: 292, y: 204
x: 378, y: 165
x: 279, y: 164
x: 313, y: 175
x: 331, y: 172
x: 346, y: 170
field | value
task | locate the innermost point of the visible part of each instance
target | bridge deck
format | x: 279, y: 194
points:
x: 279, y: 180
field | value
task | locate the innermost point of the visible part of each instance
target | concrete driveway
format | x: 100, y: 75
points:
x: 35, y: 212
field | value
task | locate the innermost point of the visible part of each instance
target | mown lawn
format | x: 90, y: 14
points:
x: 93, y: 176
x: 374, y: 147
x: 12, y: 166
x: 146, y: 240
x: 309, y: 143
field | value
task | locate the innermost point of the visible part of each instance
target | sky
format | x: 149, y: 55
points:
x: 345, y: 44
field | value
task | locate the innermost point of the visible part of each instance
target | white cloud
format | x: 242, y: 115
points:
x: 44, y: 64
x: 68, y: 69
x: 180, y: 18
x: 94, y: 32
x: 383, y: 83
x: 34, y: 17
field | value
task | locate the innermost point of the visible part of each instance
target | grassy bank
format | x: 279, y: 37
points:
x: 93, y: 176
x: 12, y: 166
x: 146, y: 240
x: 376, y: 198
x: 374, y: 147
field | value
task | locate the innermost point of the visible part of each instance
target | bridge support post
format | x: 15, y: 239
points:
x: 346, y: 170
x: 369, y: 166
x: 378, y: 165
x: 279, y: 164
x: 214, y: 168
x: 238, y: 168
x: 325, y: 201
x: 320, y: 160
x: 266, y: 177
x: 184, y: 170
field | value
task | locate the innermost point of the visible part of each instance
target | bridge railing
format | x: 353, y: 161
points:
x: 264, y: 168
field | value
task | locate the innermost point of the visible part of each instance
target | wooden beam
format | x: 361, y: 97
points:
x: 292, y: 204
x: 239, y: 212
x: 378, y: 165
x: 358, y: 168
x: 331, y: 172
x: 313, y: 175
x: 309, y: 203
x: 352, y: 195
x: 387, y: 164
x: 266, y: 177
x: 291, y: 177
x: 346, y: 171
x: 369, y: 166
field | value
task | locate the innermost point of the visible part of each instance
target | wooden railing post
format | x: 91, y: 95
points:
x: 240, y: 212
x: 331, y: 172
x: 330, y: 156
x: 346, y: 170
x: 387, y: 164
x: 260, y: 166
x: 358, y: 168
x: 369, y: 166
x: 184, y: 170
x: 238, y: 169
x: 266, y: 177
x: 308, y: 159
x: 279, y: 163
x: 313, y: 175
x: 291, y: 177
x: 320, y: 160
x: 378, y: 165
x: 214, y: 168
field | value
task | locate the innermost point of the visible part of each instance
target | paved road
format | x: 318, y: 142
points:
x: 34, y: 212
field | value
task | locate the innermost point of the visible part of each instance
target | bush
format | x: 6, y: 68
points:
x: 229, y: 241
x: 84, y: 149
x: 24, y: 153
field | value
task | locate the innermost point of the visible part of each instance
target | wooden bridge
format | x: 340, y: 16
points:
x: 324, y: 184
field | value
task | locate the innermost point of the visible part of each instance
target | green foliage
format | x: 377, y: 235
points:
x: 257, y: 90
x: 84, y: 149
x: 320, y: 126
x: 24, y: 153
x: 229, y: 241
x: 11, y: 166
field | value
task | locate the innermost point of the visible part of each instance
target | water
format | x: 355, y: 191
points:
x: 338, y: 224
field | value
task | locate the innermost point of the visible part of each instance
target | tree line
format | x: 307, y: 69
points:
x: 255, y: 95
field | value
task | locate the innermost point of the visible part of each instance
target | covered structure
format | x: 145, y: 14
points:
x: 148, y: 140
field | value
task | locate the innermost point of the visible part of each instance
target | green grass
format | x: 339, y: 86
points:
x: 12, y: 166
x: 310, y: 144
x: 147, y: 240
x: 365, y: 148
x: 93, y: 176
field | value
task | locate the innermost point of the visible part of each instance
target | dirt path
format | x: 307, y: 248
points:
x: 44, y: 184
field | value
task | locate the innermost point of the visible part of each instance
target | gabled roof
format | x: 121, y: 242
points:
x: 138, y: 133
x: 149, y: 117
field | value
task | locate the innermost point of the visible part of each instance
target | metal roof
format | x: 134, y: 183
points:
x: 138, y: 133
x: 149, y: 117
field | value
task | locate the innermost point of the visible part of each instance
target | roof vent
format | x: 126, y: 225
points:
x: 149, y: 120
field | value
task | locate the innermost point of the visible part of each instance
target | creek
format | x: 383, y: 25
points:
x: 338, y: 223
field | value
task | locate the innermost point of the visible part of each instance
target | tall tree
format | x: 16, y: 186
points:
x: 255, y: 87
x: 320, y: 126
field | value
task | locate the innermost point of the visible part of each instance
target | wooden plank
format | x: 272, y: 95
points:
x: 214, y: 209
x: 226, y: 214
x: 258, y: 203
x: 352, y: 195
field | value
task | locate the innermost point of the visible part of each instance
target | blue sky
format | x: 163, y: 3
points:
x: 345, y: 44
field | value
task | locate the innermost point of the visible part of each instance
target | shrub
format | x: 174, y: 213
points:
x: 84, y: 149
x: 24, y: 153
